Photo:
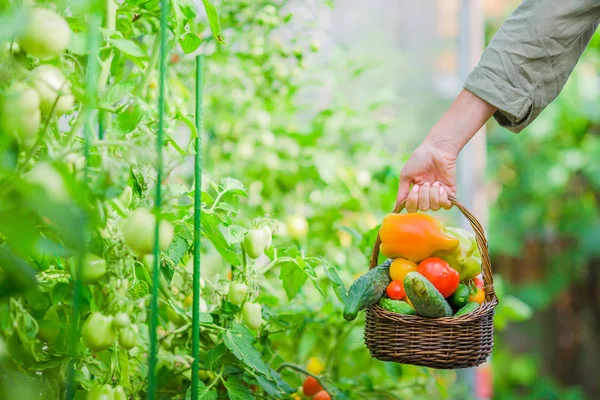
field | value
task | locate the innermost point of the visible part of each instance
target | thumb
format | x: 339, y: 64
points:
x: 403, y: 189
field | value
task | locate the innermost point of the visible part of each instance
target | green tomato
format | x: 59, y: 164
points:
x: 138, y: 232
x: 119, y: 393
x: 101, y: 392
x: 20, y: 112
x: 92, y: 270
x: 49, y: 327
x: 98, y: 332
x: 252, y: 315
x: 255, y: 243
x: 45, y: 35
x: 269, y: 235
x: 297, y: 227
x: 45, y: 176
x: 122, y: 320
x: 237, y: 293
x: 175, y: 317
x: 127, y: 338
x: 53, y: 88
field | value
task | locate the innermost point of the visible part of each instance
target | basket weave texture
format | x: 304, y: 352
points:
x: 442, y: 343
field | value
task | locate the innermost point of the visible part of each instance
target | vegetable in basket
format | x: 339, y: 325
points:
x: 466, y: 258
x: 367, y: 290
x: 414, y: 236
x: 426, y: 299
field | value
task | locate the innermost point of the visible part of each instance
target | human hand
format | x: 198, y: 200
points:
x: 431, y: 169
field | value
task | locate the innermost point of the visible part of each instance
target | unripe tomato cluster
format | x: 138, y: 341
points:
x: 99, y: 332
x: 46, y: 91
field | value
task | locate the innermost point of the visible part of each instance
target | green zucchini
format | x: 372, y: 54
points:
x: 469, y: 308
x: 367, y: 290
x: 426, y: 299
x: 460, y: 298
x: 396, y: 306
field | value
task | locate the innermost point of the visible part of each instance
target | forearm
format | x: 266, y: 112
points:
x: 467, y: 114
x: 530, y: 58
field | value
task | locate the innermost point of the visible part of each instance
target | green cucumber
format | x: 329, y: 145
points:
x: 367, y: 290
x: 469, y: 308
x: 396, y: 306
x: 425, y: 298
x: 460, y: 298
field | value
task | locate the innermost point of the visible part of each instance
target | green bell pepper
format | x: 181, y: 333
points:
x: 466, y: 258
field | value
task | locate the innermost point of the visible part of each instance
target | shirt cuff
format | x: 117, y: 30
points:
x: 514, y: 107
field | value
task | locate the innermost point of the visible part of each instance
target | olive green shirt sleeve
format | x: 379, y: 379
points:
x: 530, y: 58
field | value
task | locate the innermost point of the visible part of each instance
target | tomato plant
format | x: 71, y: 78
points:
x: 277, y: 185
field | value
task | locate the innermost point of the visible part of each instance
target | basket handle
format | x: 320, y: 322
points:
x: 488, y: 279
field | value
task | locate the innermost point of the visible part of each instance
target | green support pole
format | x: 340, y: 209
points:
x: 153, y: 320
x: 197, y: 227
x: 93, y: 39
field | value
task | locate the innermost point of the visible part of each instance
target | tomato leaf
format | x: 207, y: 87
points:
x: 234, y: 186
x: 129, y: 119
x: 293, y: 278
x: 210, y: 228
x: 177, y: 249
x: 189, y: 42
x: 203, y: 393
x: 213, y: 20
x: 128, y: 47
x: 118, y: 91
x: 237, y: 390
x: 241, y: 343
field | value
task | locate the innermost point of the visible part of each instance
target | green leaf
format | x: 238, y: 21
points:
x: 189, y: 42
x: 137, y: 181
x: 233, y: 234
x: 210, y: 228
x: 241, y: 343
x: 128, y: 47
x: 213, y: 356
x: 237, y: 390
x: 118, y: 92
x: 203, y: 393
x: 213, y: 20
x: 293, y: 278
x: 268, y: 386
x: 232, y: 185
x: 78, y: 43
x: 338, y: 286
x: 129, y: 119
x: 177, y: 249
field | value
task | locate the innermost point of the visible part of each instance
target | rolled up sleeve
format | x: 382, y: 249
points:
x: 530, y: 58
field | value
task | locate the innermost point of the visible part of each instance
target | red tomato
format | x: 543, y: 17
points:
x: 311, y: 386
x: 478, y: 282
x: 322, y: 395
x: 395, y: 290
x: 437, y: 271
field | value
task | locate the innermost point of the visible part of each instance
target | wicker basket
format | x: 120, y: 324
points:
x: 444, y: 343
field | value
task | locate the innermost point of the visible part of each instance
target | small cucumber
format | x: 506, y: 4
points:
x: 469, y: 308
x: 367, y: 290
x: 396, y: 306
x: 425, y: 298
x: 460, y: 298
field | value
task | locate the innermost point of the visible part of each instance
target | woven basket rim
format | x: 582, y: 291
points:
x: 481, y: 312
